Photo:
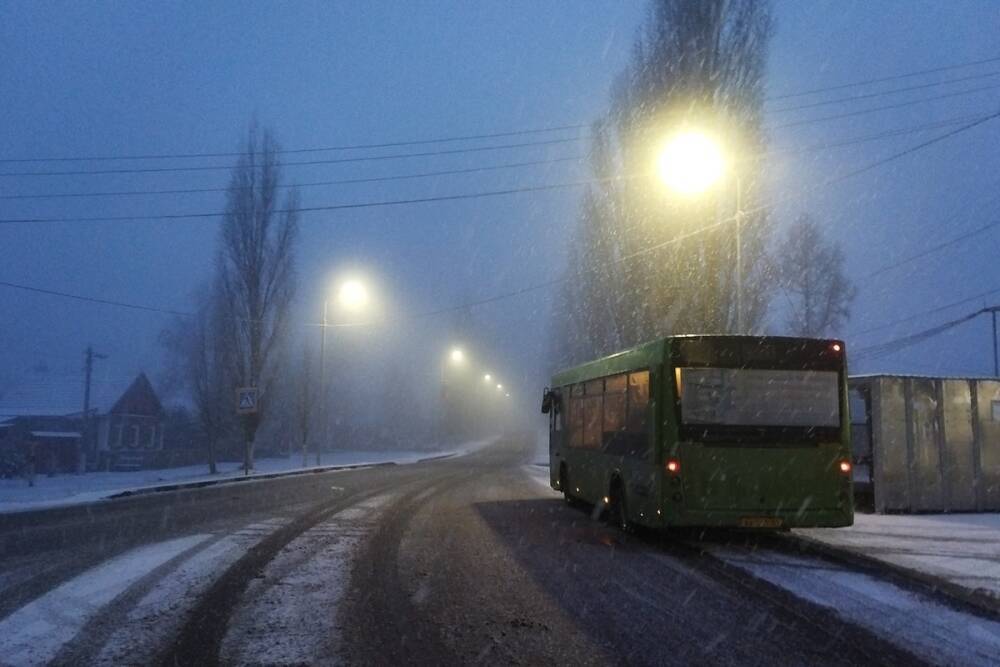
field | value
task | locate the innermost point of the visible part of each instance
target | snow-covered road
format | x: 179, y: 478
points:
x: 468, y: 559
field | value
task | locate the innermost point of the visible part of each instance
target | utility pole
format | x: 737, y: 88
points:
x: 89, y: 356
x: 996, y: 361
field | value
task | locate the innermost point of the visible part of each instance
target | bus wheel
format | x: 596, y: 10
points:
x: 564, y: 485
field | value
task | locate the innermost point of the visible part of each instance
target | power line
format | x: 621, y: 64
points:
x: 817, y: 148
x: 477, y: 149
x: 854, y: 98
x: 88, y: 299
x: 498, y: 297
x: 933, y: 249
x: 484, y: 168
x: 314, y: 209
x: 345, y: 181
x: 898, y: 105
x: 321, y: 149
x: 884, y: 79
x: 473, y: 195
x: 903, y: 342
x: 473, y: 137
x: 923, y: 313
x: 343, y: 160
x: 917, y: 147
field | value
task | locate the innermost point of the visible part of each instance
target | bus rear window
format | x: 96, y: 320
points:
x: 755, y: 397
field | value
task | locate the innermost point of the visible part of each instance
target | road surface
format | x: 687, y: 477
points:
x: 468, y: 560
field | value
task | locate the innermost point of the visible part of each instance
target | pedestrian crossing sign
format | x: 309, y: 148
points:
x: 246, y: 400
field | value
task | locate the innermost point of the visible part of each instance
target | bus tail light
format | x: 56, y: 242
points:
x: 845, y: 467
x: 673, y: 466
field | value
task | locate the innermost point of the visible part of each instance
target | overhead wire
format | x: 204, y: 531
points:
x: 882, y: 93
x: 884, y: 79
x: 465, y: 196
x: 903, y: 342
x: 486, y: 135
x: 341, y: 160
x: 887, y: 107
x: 485, y: 168
x: 536, y: 286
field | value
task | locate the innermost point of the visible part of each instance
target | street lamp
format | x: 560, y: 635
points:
x: 457, y: 356
x: 499, y: 387
x: 690, y: 163
x: 352, y: 297
x: 487, y: 377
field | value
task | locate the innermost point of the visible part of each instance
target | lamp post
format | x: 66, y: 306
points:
x: 352, y: 296
x: 449, y: 410
x: 692, y: 162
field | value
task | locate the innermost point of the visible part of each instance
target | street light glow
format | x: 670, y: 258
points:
x: 690, y: 163
x: 499, y: 387
x: 487, y: 377
x: 353, y: 295
x: 457, y: 356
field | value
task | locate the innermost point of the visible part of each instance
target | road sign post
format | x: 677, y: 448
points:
x: 247, y: 402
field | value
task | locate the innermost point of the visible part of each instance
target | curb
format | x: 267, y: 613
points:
x: 977, y: 600
x: 162, y: 488
x: 221, y: 481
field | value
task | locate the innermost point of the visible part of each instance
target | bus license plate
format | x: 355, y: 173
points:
x: 760, y: 522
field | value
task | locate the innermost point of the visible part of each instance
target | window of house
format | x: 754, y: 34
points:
x: 135, y: 436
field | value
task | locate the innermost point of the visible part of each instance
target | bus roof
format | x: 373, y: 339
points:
x: 650, y: 353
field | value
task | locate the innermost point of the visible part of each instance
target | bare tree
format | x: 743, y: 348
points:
x: 650, y: 264
x: 202, y: 364
x: 306, y: 397
x: 256, y: 269
x: 812, y: 277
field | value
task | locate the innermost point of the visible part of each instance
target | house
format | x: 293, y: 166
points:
x: 51, y: 443
x: 130, y: 431
x: 44, y: 422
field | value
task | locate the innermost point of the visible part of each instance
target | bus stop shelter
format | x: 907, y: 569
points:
x: 927, y: 444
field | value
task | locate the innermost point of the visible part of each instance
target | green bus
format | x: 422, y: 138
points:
x: 707, y: 430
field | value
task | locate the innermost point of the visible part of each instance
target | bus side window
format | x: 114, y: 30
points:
x: 592, y: 411
x: 557, y: 408
x: 614, y: 413
x: 574, y: 416
x: 637, y: 424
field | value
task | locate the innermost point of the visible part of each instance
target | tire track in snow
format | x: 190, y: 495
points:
x: 132, y: 628
x: 35, y: 633
x: 291, y: 613
x: 200, y: 639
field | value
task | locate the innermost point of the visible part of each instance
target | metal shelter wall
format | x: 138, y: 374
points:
x: 935, y: 443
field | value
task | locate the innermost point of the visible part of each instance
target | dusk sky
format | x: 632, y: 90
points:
x: 119, y: 79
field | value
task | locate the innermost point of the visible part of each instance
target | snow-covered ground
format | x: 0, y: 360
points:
x: 963, y: 549
x: 15, y: 494
x: 910, y: 620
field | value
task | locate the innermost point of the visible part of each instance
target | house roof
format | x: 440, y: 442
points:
x: 64, y: 395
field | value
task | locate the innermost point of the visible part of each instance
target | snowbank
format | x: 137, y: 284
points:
x: 15, y: 494
x: 962, y: 549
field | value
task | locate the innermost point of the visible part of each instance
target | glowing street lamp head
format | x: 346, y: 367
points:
x: 487, y: 377
x: 457, y: 356
x: 353, y: 295
x: 690, y: 163
x: 499, y: 387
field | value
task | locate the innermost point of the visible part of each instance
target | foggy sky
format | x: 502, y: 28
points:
x: 140, y: 78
